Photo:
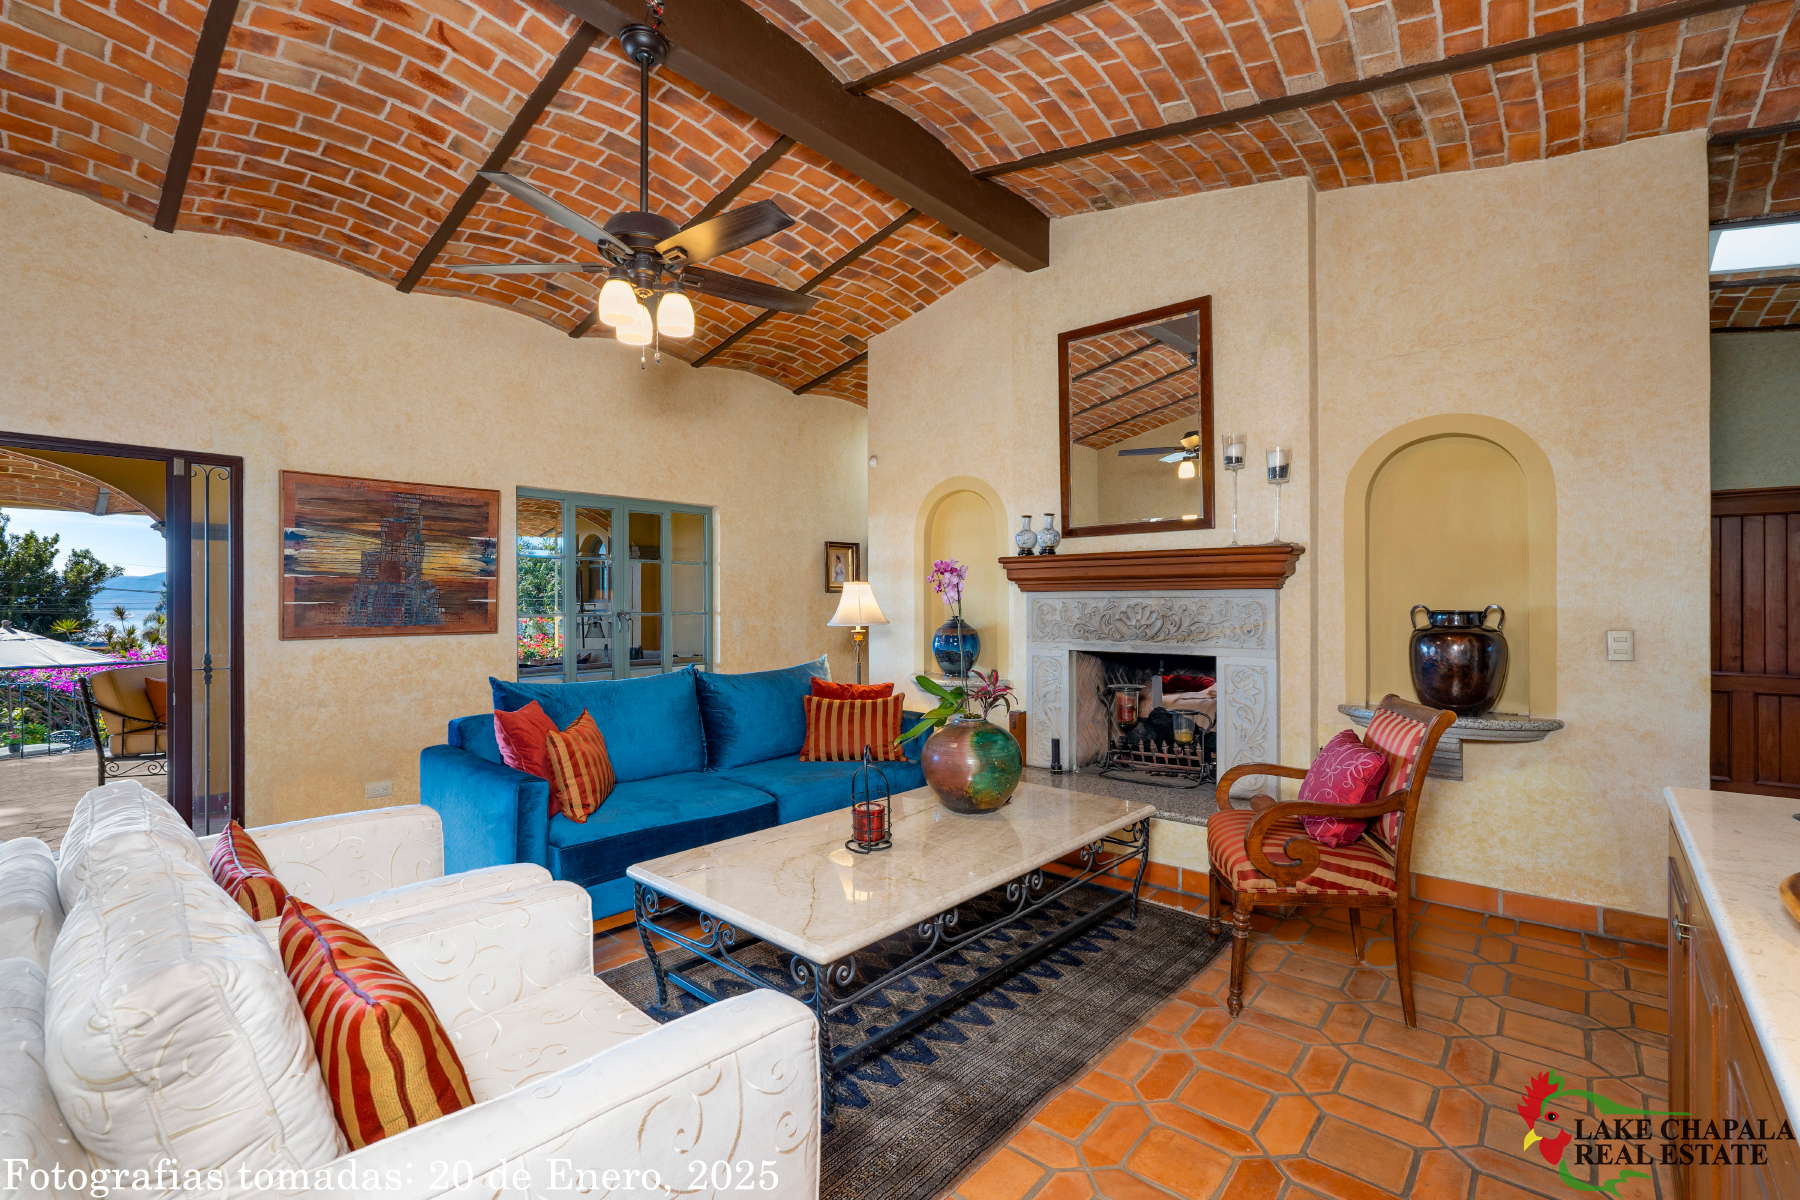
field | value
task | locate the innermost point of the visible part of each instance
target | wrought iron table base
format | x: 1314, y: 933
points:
x: 827, y: 987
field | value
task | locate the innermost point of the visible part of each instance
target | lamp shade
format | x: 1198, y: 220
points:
x: 857, y: 607
x: 617, y: 303
x: 639, y: 331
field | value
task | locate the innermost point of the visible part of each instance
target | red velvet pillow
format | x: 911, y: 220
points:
x: 521, y: 736
x: 1187, y: 683
x: 827, y: 690
x: 1346, y: 772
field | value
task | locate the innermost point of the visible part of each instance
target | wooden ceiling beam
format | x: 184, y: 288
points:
x: 827, y: 377
x: 849, y: 256
x: 727, y: 48
x: 1133, y: 391
x: 1744, y: 285
x: 521, y: 125
x: 967, y: 45
x: 1138, y: 417
x: 203, y: 76
x: 1752, y: 135
x: 1487, y: 56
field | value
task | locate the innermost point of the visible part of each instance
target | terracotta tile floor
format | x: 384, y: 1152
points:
x: 1320, y: 1089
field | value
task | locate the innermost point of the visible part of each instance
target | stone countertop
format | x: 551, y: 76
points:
x: 1498, y: 726
x: 1741, y: 846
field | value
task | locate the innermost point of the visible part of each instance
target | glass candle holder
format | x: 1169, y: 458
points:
x: 869, y: 821
x: 1279, y: 461
x: 869, y: 817
x: 1184, y: 731
x: 1232, y: 447
x: 1125, y: 707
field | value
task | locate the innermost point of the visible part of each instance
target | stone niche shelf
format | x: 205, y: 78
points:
x: 1447, y: 763
x: 1204, y: 568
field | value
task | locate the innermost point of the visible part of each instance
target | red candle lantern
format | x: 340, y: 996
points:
x: 868, y: 808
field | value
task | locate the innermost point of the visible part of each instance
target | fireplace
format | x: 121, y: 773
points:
x: 1147, y: 718
x: 1075, y: 641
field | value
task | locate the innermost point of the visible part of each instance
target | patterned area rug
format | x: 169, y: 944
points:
x: 912, y: 1119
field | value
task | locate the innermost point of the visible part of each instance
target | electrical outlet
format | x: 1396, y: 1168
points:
x: 1621, y: 645
x: 375, y: 791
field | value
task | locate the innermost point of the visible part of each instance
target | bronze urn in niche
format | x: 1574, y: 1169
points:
x: 1457, y: 662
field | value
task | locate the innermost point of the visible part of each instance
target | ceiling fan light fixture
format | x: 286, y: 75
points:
x: 1185, y: 470
x: 618, y: 302
x: 675, y: 315
x: 639, y: 331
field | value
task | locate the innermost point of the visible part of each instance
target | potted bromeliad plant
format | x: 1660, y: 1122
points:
x: 972, y: 764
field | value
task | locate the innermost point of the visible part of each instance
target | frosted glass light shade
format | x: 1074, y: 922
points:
x: 639, y: 331
x: 1185, y: 470
x: 857, y: 607
x: 675, y: 316
x: 617, y: 303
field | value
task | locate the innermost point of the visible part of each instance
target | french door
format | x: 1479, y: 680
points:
x: 611, y: 588
x: 1756, y: 641
x: 203, y: 540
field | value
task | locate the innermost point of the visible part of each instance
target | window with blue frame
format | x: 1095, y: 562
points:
x: 609, y: 587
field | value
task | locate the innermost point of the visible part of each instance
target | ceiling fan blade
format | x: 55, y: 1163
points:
x: 726, y: 232
x: 1153, y: 450
x: 529, y: 268
x: 569, y: 220
x: 1174, y: 457
x: 745, y: 291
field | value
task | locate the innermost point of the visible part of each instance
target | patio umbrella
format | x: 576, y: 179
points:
x: 20, y: 650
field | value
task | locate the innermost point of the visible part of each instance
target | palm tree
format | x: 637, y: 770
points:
x: 121, y: 638
x: 68, y: 629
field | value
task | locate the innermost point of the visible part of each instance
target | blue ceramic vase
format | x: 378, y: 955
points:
x: 956, y: 646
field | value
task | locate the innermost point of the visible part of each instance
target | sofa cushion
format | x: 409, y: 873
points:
x: 651, y: 724
x: 130, y: 814
x: 239, y: 867
x: 387, y: 1060
x: 806, y: 789
x: 31, y: 911
x: 841, y: 730
x: 543, y: 1033
x: 172, y: 1031
x: 648, y: 818
x: 581, y: 774
x: 757, y: 715
x: 32, y: 1129
x: 476, y: 735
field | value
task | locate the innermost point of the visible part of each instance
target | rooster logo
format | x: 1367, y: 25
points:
x: 1543, y: 1092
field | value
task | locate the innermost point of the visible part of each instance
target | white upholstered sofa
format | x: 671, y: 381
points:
x: 162, y: 1034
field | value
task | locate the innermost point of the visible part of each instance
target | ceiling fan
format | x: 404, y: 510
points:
x: 1187, y: 454
x: 649, y: 260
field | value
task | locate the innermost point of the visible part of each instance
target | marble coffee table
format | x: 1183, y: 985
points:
x: 797, y: 888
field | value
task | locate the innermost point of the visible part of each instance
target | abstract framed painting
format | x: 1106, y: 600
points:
x: 376, y: 558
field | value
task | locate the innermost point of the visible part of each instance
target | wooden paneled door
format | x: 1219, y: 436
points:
x: 1756, y: 641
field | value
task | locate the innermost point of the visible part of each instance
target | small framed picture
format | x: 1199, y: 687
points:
x: 843, y: 563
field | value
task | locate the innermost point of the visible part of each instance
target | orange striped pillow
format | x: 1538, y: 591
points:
x: 581, y: 774
x: 387, y: 1062
x: 239, y: 867
x: 837, y: 730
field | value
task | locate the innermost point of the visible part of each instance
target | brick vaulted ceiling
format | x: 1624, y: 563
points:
x: 347, y: 129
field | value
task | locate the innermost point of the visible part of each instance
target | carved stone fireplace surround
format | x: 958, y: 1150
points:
x: 1167, y: 602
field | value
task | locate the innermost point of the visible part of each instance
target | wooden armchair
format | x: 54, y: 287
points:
x: 137, y: 735
x: 1372, y: 872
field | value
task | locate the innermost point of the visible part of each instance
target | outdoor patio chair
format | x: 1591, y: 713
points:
x: 137, y: 737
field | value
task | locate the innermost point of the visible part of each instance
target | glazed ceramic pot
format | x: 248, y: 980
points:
x: 956, y: 646
x: 1457, y: 662
x: 972, y: 764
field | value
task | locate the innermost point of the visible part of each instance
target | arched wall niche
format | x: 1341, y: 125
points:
x: 1452, y: 511
x: 963, y: 518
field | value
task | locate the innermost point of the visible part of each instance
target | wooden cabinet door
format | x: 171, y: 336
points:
x: 1696, y: 1009
x: 1756, y: 641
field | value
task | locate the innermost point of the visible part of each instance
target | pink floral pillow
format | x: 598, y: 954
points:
x: 1346, y: 772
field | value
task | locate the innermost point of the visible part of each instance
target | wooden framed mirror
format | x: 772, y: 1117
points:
x: 1136, y: 418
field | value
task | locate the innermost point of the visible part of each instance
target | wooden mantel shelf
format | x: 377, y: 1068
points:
x: 1207, y: 568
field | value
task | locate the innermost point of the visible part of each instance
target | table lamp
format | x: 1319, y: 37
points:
x: 858, y: 610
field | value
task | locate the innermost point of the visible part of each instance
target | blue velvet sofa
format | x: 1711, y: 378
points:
x: 699, y: 757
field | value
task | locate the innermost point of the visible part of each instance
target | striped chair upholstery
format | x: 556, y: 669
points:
x: 1398, y: 738
x: 1365, y: 866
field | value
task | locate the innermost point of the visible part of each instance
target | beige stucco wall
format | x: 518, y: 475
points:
x: 1567, y: 298
x: 1756, y: 410
x: 112, y: 331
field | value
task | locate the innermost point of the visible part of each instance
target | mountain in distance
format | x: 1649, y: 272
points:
x: 138, y: 593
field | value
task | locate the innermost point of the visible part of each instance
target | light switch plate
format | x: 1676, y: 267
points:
x: 1621, y: 645
x: 375, y: 791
